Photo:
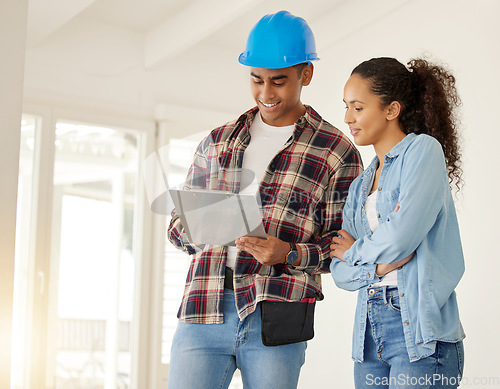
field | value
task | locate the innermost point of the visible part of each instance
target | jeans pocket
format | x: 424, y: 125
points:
x: 393, y: 303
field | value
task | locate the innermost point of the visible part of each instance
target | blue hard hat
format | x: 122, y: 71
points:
x: 278, y: 41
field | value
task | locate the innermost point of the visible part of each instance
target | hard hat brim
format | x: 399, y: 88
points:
x: 264, y: 63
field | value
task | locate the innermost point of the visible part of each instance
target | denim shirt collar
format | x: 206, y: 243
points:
x: 395, y: 151
x: 401, y: 146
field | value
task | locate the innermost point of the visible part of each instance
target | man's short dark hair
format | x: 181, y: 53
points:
x: 300, y: 67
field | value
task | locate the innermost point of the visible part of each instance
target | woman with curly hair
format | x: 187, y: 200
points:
x: 400, y: 243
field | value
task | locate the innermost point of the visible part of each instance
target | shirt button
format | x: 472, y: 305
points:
x: 378, y: 215
x: 402, y: 294
x: 379, y: 188
x: 406, y: 323
x: 368, y: 275
x: 386, y: 159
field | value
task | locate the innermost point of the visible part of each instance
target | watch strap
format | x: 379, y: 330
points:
x: 293, y: 248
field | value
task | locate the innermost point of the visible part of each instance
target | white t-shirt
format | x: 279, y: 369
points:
x: 391, y: 278
x: 266, y: 141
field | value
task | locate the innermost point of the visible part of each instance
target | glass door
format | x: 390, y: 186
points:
x: 92, y: 269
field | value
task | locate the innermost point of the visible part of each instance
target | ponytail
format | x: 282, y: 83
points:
x: 439, y: 101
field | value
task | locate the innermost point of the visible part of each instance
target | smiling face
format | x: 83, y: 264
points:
x: 277, y: 93
x: 369, y: 122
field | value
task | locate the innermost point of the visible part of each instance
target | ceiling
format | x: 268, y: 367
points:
x: 158, y: 57
x: 142, y: 53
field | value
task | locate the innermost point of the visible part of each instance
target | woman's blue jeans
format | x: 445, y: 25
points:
x: 205, y: 356
x: 386, y: 363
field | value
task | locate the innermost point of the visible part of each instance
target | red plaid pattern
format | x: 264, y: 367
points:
x: 303, y: 192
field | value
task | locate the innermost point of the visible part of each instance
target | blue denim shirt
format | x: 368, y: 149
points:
x: 414, y: 175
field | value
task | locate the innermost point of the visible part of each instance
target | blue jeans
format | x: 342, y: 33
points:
x: 386, y: 363
x: 205, y: 356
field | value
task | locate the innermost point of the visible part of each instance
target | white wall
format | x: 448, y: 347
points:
x: 13, y: 16
x: 462, y: 34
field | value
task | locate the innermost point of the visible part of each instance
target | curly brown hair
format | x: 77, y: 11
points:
x: 428, y: 98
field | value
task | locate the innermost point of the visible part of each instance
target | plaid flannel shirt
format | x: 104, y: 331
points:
x: 303, y: 192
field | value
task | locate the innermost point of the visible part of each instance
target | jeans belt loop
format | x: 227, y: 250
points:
x: 384, y: 291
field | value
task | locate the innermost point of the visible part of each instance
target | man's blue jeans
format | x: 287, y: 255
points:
x: 386, y: 363
x: 205, y: 356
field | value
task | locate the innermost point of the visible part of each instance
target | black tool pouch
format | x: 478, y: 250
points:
x: 286, y: 322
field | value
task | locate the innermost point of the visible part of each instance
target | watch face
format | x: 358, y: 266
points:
x: 292, y: 257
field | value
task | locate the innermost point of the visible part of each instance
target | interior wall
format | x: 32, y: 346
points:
x: 13, y: 15
x: 447, y: 31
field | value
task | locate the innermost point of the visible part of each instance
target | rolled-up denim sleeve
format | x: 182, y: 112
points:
x: 352, y: 277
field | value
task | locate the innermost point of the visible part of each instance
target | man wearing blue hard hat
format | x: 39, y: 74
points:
x: 251, y: 306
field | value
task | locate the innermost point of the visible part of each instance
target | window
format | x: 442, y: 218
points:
x: 92, y: 264
x: 79, y: 246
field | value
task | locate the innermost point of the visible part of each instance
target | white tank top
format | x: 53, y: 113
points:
x: 391, y: 278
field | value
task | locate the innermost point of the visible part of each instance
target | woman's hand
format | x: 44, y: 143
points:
x: 341, y: 244
x: 383, y: 269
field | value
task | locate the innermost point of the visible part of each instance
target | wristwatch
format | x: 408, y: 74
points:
x: 292, y: 255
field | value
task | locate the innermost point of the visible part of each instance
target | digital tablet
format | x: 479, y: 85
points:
x: 218, y: 217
